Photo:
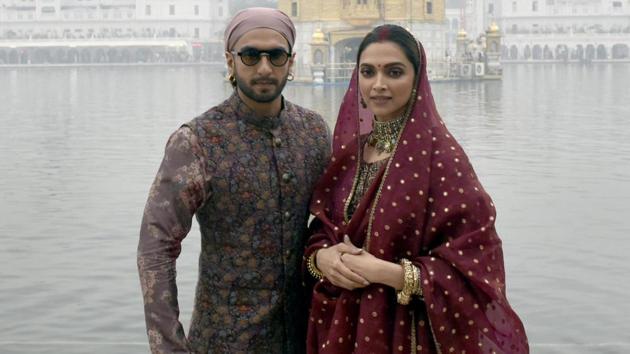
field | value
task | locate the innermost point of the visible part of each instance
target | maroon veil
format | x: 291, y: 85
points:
x: 425, y: 205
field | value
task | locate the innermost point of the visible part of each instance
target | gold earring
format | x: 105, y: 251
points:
x: 290, y: 77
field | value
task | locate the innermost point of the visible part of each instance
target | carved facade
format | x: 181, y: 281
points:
x: 329, y: 31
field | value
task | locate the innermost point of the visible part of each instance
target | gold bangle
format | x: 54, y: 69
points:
x: 312, y: 268
x: 418, y: 280
x: 404, y: 295
x: 403, y: 298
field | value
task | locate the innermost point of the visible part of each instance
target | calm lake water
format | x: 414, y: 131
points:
x: 79, y: 148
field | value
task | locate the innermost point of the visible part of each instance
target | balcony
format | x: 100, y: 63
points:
x: 112, y: 4
x: 19, y: 5
x: 360, y: 13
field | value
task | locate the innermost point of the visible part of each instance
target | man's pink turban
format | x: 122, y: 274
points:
x: 258, y: 17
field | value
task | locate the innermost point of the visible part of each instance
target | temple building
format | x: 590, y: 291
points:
x: 329, y: 32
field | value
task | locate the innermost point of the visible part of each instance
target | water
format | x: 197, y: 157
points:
x: 79, y: 148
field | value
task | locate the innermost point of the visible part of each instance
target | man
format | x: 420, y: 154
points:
x: 246, y: 169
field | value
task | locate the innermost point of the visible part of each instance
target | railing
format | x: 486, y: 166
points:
x: 93, y: 41
x: 569, y: 36
x: 77, y: 3
x: 339, y: 71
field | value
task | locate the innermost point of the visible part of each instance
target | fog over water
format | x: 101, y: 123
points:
x: 79, y: 148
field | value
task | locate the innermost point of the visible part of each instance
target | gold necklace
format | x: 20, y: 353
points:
x: 384, y: 134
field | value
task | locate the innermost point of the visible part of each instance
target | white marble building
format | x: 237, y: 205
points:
x: 566, y: 30
x: 88, y: 31
x: 547, y: 30
x: 195, y: 19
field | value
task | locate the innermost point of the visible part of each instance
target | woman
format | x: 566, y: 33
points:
x: 429, y: 275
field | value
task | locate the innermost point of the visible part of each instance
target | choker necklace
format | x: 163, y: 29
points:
x: 384, y: 134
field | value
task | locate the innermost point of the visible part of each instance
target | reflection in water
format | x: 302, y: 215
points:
x: 80, y: 147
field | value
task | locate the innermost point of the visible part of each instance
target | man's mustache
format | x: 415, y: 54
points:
x: 265, y: 81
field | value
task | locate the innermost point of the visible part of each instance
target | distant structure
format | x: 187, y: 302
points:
x: 111, y: 31
x: 548, y: 30
x: 329, y: 32
x: 473, y: 40
x: 477, y: 59
x: 454, y: 22
x: 565, y: 30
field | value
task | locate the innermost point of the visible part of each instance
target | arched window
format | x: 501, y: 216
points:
x: 513, y: 52
x: 455, y: 24
x: 602, y: 53
x: 294, y: 8
x: 620, y: 51
x: 318, y: 57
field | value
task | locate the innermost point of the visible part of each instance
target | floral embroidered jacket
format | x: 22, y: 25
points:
x: 248, y: 180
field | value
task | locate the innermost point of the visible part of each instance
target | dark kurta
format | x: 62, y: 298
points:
x: 248, y: 180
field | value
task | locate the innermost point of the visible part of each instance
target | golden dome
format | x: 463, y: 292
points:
x: 318, y: 36
x: 462, y: 33
x: 493, y: 28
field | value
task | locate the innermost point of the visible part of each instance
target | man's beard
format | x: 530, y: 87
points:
x: 249, y: 91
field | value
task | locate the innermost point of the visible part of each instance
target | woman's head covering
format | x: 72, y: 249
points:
x: 258, y: 17
x: 425, y: 205
x: 354, y: 121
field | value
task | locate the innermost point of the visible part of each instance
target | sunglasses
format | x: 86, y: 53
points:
x: 251, y: 56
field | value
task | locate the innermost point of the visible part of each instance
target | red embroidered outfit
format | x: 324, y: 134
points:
x: 425, y: 205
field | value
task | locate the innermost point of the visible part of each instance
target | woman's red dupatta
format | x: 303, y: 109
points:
x: 427, y: 206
